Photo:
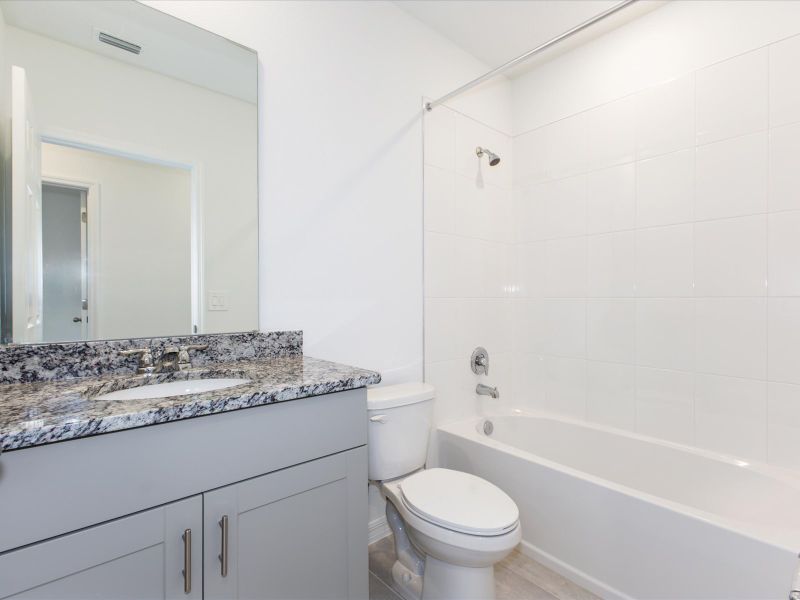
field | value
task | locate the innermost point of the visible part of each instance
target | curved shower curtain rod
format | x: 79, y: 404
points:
x: 514, y: 62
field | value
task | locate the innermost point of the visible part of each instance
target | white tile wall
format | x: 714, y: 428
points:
x: 784, y: 85
x: 783, y: 234
x: 657, y: 269
x: 730, y: 257
x: 565, y: 386
x: 732, y: 97
x: 731, y: 336
x: 665, y: 189
x: 610, y: 265
x: 784, y: 168
x: 783, y: 425
x: 611, y: 199
x: 665, y: 404
x: 565, y: 268
x: 665, y: 333
x: 665, y: 118
x: 731, y: 415
x: 732, y: 177
x: 636, y: 264
x: 471, y: 259
x: 784, y: 340
x: 611, y: 330
x: 664, y: 261
x: 611, y: 394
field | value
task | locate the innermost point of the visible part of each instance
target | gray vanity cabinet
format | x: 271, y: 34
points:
x: 288, y: 480
x: 296, y: 533
x: 138, y: 557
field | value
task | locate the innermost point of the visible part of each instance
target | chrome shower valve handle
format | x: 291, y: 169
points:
x: 479, y: 361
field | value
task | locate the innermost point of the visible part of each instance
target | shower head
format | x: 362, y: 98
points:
x: 494, y: 160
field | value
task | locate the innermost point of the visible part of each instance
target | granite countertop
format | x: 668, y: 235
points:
x: 33, y: 414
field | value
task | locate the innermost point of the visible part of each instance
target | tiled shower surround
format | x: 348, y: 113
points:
x: 646, y: 274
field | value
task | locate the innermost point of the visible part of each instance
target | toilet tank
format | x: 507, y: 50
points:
x: 400, y: 420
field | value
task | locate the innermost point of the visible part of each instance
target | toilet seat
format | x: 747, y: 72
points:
x: 460, y: 502
x: 446, y: 544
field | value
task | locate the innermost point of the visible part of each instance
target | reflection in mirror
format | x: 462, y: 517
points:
x: 132, y: 204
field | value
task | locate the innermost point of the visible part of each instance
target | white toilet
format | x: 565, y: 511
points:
x: 450, y: 528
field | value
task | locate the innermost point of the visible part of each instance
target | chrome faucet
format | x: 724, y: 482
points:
x: 485, y: 390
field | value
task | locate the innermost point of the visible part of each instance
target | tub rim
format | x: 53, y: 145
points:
x: 469, y: 429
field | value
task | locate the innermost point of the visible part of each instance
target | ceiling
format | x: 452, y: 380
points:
x: 495, y: 31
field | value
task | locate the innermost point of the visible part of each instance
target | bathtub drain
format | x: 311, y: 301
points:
x: 488, y: 428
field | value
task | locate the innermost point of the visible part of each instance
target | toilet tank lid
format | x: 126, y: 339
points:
x: 392, y: 396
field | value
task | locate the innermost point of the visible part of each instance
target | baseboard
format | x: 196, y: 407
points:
x: 378, y: 529
x: 575, y: 575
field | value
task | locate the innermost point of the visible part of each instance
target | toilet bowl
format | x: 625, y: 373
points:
x: 461, y: 536
x: 450, y: 527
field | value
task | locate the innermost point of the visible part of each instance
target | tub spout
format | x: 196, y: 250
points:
x: 485, y: 390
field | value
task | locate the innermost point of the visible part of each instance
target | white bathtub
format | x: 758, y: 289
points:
x: 632, y: 517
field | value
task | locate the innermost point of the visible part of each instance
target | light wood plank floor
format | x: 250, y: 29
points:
x: 517, y: 578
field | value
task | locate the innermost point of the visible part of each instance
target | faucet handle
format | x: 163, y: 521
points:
x: 145, y: 358
x: 183, y: 354
x: 195, y: 347
x: 479, y: 361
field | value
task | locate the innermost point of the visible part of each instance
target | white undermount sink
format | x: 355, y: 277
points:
x: 173, y: 388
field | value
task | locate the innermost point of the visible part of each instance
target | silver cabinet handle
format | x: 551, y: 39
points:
x: 223, y: 557
x: 187, y: 561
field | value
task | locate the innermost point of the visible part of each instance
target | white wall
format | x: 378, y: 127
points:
x: 87, y: 97
x: 340, y: 133
x: 143, y: 254
x: 658, y: 216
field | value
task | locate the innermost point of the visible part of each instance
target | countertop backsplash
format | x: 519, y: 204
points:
x: 69, y: 360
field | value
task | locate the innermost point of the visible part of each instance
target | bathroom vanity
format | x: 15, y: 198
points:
x: 201, y: 464
x: 253, y: 491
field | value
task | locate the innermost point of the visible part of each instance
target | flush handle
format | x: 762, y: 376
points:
x: 378, y: 419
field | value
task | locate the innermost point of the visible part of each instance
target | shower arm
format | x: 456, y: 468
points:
x: 541, y: 48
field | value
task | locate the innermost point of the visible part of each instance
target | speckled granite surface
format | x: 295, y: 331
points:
x: 32, y: 414
x: 51, y: 362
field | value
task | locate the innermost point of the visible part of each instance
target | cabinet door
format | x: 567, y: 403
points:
x: 299, y: 533
x: 140, y: 557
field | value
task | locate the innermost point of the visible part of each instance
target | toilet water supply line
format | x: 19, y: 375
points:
x: 406, y: 553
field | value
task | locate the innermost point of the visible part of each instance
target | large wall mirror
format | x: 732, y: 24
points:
x: 129, y: 145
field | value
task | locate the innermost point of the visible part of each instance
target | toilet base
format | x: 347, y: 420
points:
x: 445, y: 581
x: 408, y: 583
